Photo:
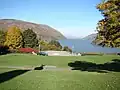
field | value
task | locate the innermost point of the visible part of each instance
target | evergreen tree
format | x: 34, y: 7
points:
x: 30, y: 38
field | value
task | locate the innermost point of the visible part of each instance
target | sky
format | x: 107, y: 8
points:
x: 73, y: 18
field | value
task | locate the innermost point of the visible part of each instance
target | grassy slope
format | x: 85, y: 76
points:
x: 58, y: 80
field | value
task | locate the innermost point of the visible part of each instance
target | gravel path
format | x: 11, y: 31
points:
x: 17, y: 67
x: 46, y: 68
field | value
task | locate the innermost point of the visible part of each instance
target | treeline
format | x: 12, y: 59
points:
x: 14, y: 39
x: 53, y: 45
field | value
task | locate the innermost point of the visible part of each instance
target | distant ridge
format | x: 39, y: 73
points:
x: 43, y: 31
x: 90, y: 37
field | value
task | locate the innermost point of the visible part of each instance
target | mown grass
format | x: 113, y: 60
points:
x: 56, y: 80
x: 32, y: 60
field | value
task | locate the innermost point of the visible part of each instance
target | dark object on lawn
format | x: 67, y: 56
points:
x: 118, y: 54
x: 42, y: 53
x: 39, y: 68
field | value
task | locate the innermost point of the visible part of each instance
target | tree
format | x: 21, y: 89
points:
x: 109, y: 28
x: 30, y: 38
x: 66, y: 48
x: 14, y: 39
x: 56, y: 43
x: 43, y: 45
x: 48, y: 46
x: 53, y: 47
x: 2, y: 37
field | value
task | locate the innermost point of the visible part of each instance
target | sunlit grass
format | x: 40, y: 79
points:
x: 57, y: 80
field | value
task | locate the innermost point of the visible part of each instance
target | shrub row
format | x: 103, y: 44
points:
x: 27, y: 50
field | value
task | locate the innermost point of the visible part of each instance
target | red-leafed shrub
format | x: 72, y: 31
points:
x: 27, y: 50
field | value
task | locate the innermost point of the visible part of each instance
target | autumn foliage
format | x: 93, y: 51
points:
x: 2, y: 37
x: 24, y: 42
x: 14, y: 39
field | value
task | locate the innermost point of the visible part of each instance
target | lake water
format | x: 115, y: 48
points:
x: 79, y: 45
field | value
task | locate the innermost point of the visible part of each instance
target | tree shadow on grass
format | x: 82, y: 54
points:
x: 11, y: 74
x: 114, y: 65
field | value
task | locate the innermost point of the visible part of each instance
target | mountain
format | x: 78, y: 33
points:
x: 44, y: 32
x: 90, y: 37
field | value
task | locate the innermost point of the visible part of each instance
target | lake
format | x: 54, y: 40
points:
x: 79, y: 45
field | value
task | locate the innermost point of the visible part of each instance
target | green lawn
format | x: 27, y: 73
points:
x: 12, y: 79
x: 32, y: 60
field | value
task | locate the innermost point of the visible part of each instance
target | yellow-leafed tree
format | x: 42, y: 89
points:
x: 14, y: 39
